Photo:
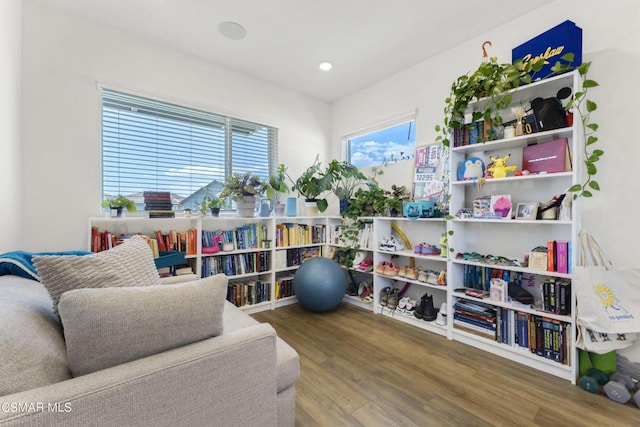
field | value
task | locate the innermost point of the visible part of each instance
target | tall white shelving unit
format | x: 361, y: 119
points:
x: 515, y: 238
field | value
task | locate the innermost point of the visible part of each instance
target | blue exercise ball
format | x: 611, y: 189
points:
x: 320, y: 284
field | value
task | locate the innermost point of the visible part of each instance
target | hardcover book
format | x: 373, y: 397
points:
x: 550, y: 157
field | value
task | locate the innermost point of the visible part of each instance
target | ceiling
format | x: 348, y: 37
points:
x: 367, y: 40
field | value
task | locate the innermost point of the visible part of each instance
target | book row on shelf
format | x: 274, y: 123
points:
x: 180, y: 241
x: 296, y: 256
x: 284, y: 287
x: 542, y: 336
x: 249, y: 292
x: 294, y: 234
x: 247, y: 236
x: 237, y: 264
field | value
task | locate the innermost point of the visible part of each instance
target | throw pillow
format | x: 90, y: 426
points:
x: 128, y: 264
x: 110, y: 326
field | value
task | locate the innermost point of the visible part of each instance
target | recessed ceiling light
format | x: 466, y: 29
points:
x: 232, y: 30
x: 326, y: 66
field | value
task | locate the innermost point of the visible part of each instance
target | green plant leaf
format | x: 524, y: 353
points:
x: 593, y: 126
x: 569, y: 57
x: 591, y: 106
x: 322, y: 205
x: 575, y: 187
x: 594, y: 185
x: 587, y: 193
x: 592, y: 140
x: 584, y: 68
x: 438, y: 127
x: 578, y: 95
x: 590, y: 83
x: 591, y: 168
x: 598, y: 153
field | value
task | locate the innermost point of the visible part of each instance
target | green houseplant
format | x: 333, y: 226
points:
x: 210, y: 203
x: 118, y: 203
x: 344, y: 178
x: 311, y: 184
x: 395, y: 198
x: 243, y: 189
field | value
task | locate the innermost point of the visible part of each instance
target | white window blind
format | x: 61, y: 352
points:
x: 149, y: 145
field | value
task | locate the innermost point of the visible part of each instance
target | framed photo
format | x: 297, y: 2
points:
x: 527, y: 210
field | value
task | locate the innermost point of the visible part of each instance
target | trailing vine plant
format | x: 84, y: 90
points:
x: 497, y: 82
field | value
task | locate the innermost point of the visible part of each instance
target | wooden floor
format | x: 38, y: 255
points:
x: 361, y: 369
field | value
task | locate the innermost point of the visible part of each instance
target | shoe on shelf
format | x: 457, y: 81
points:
x: 411, y: 273
x: 410, y: 307
x: 382, y: 265
x: 366, y: 265
x: 417, y: 249
x: 369, y: 293
x: 422, y: 276
x: 394, y: 244
x: 431, y: 250
x: 384, y: 296
x: 402, y: 304
x: 430, y: 313
x: 432, y: 277
x: 419, y: 311
x: 331, y: 253
x: 442, y: 278
x: 390, y: 270
x: 441, y: 318
x: 393, y: 299
x: 359, y: 258
x: 402, y: 271
x: 384, y: 244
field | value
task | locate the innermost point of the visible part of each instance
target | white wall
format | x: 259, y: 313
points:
x: 10, y: 24
x: 63, y: 60
x: 611, y: 41
x: 611, y: 36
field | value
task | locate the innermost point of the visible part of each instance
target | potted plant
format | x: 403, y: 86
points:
x: 311, y: 185
x: 344, y: 178
x: 243, y: 189
x: 395, y: 198
x: 117, y: 203
x: 210, y: 203
x: 278, y: 185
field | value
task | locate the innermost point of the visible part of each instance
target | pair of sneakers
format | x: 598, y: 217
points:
x: 387, y: 268
x: 426, y: 249
x: 407, y: 306
x: 391, y: 244
x: 365, y: 291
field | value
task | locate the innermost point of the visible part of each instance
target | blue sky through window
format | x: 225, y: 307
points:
x: 373, y: 148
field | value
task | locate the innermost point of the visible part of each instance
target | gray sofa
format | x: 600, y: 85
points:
x: 243, y: 377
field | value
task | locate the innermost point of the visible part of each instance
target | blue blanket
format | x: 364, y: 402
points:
x: 19, y: 263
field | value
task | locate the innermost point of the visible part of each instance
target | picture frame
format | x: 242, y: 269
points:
x: 527, y: 210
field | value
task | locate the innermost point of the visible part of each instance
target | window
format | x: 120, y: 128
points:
x: 148, y: 145
x: 394, y: 142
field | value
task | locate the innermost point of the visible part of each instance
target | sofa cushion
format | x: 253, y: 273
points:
x: 128, y: 264
x: 109, y: 326
x: 32, y: 350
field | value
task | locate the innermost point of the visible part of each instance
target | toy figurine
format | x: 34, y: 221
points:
x: 499, y: 168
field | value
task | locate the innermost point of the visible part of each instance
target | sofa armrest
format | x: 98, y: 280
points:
x: 226, y: 380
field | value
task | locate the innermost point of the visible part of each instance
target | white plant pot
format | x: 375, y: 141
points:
x: 311, y: 208
x: 246, y: 207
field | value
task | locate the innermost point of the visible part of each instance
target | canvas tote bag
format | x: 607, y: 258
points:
x: 608, y: 300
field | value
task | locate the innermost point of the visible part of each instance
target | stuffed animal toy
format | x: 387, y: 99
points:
x: 499, y: 168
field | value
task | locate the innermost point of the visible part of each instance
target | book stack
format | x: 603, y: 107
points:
x: 158, y: 204
x: 472, y: 133
x: 237, y: 264
x: 475, y: 317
